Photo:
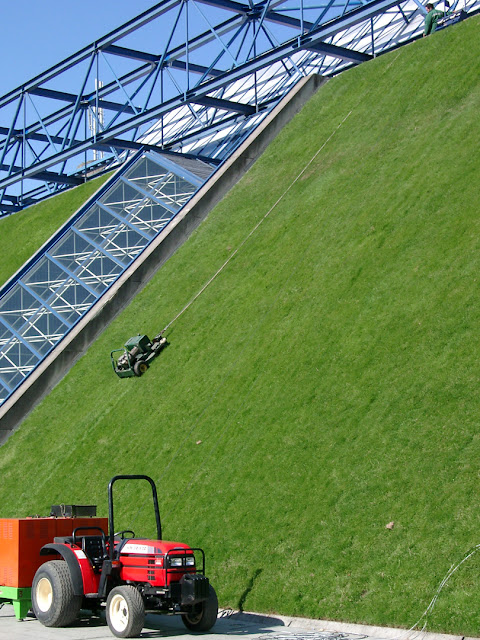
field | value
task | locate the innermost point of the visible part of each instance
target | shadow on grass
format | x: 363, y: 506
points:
x: 249, y: 588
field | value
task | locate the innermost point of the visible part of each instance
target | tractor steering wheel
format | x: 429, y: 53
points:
x: 121, y: 534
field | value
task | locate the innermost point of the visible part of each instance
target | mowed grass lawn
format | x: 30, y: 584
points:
x: 326, y: 383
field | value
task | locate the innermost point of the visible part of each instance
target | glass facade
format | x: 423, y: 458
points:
x: 90, y: 254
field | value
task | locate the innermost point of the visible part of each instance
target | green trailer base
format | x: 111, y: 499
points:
x: 20, y: 598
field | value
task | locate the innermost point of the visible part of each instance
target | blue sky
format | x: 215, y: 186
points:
x: 36, y: 35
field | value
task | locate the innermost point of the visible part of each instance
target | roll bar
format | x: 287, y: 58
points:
x: 111, y: 527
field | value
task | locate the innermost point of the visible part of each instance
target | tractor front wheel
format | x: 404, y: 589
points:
x: 203, y: 615
x: 125, y: 612
x: 53, y: 600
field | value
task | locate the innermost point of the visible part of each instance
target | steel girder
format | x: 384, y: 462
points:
x: 186, y: 75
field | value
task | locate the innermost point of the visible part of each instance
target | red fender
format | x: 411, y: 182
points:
x: 85, y: 581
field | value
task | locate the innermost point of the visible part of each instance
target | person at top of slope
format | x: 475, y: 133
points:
x: 431, y: 19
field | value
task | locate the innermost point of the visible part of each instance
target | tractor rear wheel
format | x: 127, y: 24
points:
x: 53, y: 600
x: 204, y: 614
x: 125, y: 612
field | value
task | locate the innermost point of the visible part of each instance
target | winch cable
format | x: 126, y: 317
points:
x: 453, y: 569
x: 273, y: 207
x: 250, y: 234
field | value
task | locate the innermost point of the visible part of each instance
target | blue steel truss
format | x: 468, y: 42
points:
x: 187, y: 76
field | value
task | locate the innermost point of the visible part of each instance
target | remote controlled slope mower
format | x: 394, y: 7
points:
x: 136, y: 355
x: 128, y: 575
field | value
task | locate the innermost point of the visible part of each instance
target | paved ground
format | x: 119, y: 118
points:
x: 230, y: 626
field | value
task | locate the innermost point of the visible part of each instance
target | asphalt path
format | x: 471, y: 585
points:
x: 230, y: 626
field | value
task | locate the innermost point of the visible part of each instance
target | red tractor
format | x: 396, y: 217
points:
x: 129, y: 575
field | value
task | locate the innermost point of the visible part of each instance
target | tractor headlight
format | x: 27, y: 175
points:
x: 189, y: 561
x: 176, y: 562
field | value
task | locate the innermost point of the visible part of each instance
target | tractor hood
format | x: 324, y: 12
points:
x: 140, y: 546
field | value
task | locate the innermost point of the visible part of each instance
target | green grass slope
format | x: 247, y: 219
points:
x: 25, y: 232
x: 326, y: 383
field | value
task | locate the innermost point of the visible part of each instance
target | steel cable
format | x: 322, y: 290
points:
x: 250, y: 234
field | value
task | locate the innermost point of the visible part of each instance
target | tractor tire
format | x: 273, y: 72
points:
x: 204, y: 614
x: 139, y: 368
x: 53, y: 600
x: 125, y: 612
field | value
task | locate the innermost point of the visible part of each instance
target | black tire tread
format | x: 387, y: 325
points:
x: 66, y: 605
x: 208, y: 615
x: 136, y: 608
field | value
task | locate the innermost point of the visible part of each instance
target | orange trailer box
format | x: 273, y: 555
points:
x: 22, y: 538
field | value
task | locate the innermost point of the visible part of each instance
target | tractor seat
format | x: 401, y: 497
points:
x: 63, y: 539
x: 95, y: 550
